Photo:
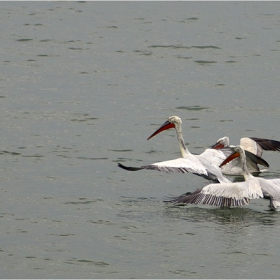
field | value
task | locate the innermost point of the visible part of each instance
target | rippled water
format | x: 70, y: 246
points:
x: 83, y: 84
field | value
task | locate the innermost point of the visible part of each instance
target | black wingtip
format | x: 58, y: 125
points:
x: 256, y: 159
x: 267, y: 144
x: 129, y: 168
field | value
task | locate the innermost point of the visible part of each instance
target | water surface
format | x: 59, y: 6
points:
x: 83, y: 84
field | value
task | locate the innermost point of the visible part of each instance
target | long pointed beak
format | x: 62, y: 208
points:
x: 217, y: 146
x: 229, y: 158
x: 166, y: 125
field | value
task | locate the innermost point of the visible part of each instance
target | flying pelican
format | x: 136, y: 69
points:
x: 238, y: 193
x: 211, y: 155
x: 251, y: 144
x: 205, y: 164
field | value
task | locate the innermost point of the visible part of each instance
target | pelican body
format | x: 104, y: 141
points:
x: 238, y: 193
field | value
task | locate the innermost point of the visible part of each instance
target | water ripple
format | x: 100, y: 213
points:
x: 184, y: 47
x: 84, y: 261
x: 192, y: 108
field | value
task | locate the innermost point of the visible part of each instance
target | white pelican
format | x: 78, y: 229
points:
x: 205, y: 164
x: 176, y: 122
x: 211, y: 155
x: 251, y: 144
x: 238, y: 193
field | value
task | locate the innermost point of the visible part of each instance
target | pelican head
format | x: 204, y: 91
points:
x: 172, y: 122
x: 221, y: 143
x: 239, y: 151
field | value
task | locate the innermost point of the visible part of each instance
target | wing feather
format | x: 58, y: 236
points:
x: 179, y: 165
x: 198, y: 197
x: 250, y: 189
x: 266, y: 144
x: 271, y: 191
x: 225, y: 194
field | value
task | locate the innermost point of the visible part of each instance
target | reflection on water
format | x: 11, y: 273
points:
x: 218, y: 238
x: 241, y: 216
x: 220, y: 217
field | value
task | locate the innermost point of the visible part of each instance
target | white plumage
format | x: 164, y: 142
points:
x: 238, y: 193
x: 205, y: 164
x: 251, y: 144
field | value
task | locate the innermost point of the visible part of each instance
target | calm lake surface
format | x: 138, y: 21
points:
x: 83, y: 84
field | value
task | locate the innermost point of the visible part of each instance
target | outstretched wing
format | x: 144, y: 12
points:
x: 255, y: 159
x: 257, y: 145
x: 267, y: 144
x: 271, y: 190
x: 180, y: 165
x: 226, y: 194
x: 198, y: 197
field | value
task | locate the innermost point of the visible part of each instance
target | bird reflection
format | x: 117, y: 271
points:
x: 222, y: 216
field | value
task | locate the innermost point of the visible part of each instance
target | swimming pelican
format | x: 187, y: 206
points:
x: 251, y: 144
x: 238, y: 193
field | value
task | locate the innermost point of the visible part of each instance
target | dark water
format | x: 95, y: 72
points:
x: 83, y: 84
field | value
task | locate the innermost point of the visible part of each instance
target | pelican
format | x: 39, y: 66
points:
x: 251, y: 144
x: 238, y: 193
x: 215, y: 156
x: 205, y: 164
x: 211, y: 155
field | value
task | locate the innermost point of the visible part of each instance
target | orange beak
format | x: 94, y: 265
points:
x: 217, y: 146
x: 229, y: 158
x: 166, y: 125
